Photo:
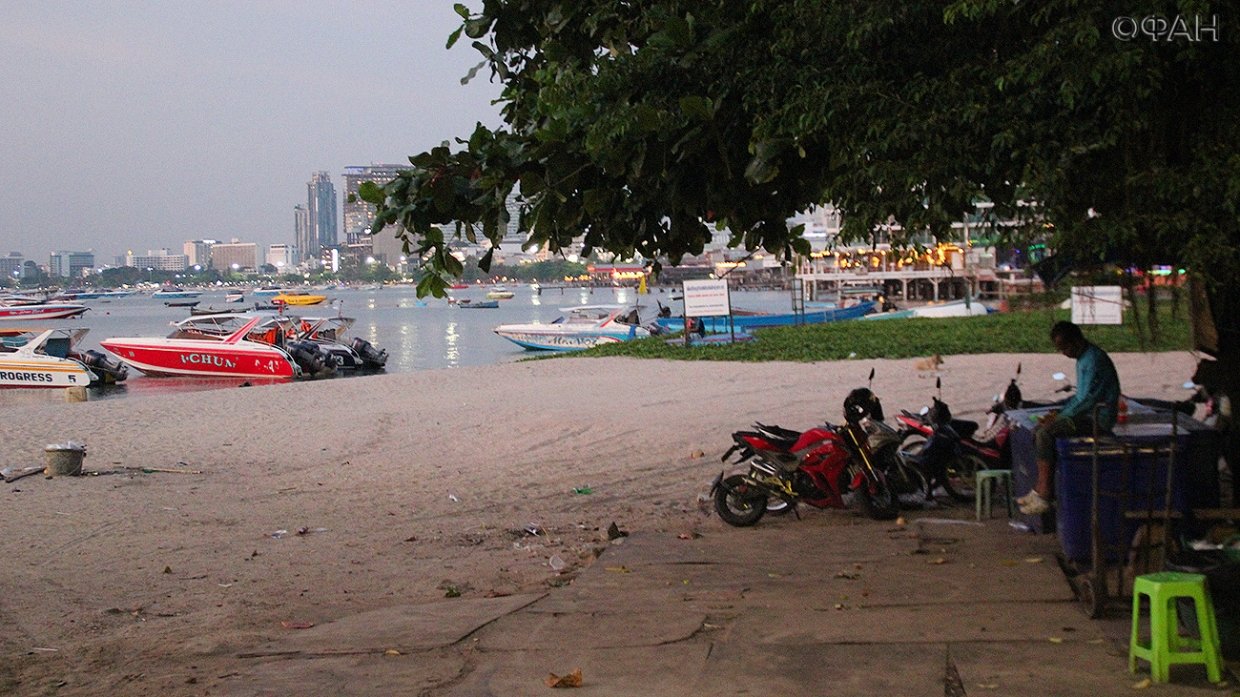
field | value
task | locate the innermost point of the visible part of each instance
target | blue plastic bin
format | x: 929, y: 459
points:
x: 1145, y: 461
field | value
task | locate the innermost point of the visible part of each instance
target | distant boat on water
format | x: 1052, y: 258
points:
x: 175, y: 293
x: 955, y: 308
x: 764, y: 320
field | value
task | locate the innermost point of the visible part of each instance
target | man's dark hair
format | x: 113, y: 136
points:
x: 1068, y: 331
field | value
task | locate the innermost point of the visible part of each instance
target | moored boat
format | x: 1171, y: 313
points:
x: 477, y: 304
x: 234, y: 296
x: 580, y: 328
x: 48, y: 359
x: 227, y: 356
x: 41, y: 310
x: 175, y: 293
x: 499, y: 293
x: 297, y: 297
x: 762, y: 320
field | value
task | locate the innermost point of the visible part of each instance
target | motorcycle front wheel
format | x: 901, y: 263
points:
x: 738, y: 502
x: 881, y: 504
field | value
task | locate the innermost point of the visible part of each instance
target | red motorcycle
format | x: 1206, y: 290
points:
x: 819, y: 466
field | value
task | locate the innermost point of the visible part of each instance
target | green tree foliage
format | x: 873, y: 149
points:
x: 641, y: 124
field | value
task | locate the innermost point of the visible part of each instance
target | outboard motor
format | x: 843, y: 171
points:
x: 310, y: 359
x: 372, y: 356
x: 107, y: 367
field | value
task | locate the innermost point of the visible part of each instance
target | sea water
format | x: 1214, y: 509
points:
x: 418, y: 333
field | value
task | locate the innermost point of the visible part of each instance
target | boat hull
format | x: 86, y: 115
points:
x: 175, y: 294
x: 42, y: 371
x: 42, y: 311
x: 535, y: 339
x: 205, y: 358
x: 749, y: 322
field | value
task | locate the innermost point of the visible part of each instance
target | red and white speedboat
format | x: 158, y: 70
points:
x: 40, y: 310
x: 228, y: 356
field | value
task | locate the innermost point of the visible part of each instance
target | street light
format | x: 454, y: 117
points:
x: 150, y: 274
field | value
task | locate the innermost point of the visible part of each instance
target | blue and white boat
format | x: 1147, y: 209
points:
x: 749, y: 322
x: 580, y: 328
x: 175, y: 292
x: 269, y: 291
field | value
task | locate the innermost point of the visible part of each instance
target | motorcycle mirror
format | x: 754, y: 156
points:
x: 871, y: 380
x: 1190, y: 385
x: 1059, y: 377
x: 1018, y: 370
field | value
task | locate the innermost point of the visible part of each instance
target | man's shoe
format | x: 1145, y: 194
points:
x: 1027, y: 497
x: 1034, y: 504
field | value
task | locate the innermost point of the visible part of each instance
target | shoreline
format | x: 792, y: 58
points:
x: 408, y: 486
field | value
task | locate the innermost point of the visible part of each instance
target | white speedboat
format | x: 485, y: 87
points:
x: 43, y: 360
x: 580, y: 328
x: 175, y: 293
x: 19, y: 309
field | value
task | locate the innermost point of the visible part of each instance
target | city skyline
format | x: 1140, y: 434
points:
x: 138, y: 127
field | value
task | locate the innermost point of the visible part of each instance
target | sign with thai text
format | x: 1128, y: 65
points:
x: 1097, y: 305
x: 707, y: 298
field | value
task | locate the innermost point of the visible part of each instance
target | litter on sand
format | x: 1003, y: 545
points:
x: 573, y: 679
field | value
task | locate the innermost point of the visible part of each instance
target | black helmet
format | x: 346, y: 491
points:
x: 862, y: 403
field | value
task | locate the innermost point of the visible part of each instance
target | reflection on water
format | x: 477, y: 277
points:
x: 451, y: 353
x: 418, y: 334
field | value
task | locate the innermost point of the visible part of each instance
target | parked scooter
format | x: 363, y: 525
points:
x: 946, y: 451
x: 819, y: 466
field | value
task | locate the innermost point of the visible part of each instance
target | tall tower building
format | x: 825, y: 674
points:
x: 301, y: 235
x: 358, y: 215
x: 321, y: 200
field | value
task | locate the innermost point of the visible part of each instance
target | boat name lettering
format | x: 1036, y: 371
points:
x: 207, y: 359
x: 25, y: 377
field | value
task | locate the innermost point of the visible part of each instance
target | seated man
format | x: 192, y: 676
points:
x: 1097, y: 383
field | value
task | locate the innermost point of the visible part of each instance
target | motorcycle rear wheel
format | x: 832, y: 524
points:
x: 738, y: 502
x: 960, y: 479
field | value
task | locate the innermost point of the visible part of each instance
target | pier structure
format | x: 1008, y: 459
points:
x: 944, y: 272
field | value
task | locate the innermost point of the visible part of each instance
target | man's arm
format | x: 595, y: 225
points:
x: 1087, y: 389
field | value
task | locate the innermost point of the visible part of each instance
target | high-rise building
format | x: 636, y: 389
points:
x: 321, y: 208
x: 358, y: 215
x: 198, y: 252
x: 280, y: 256
x: 11, y: 266
x: 234, y: 256
x: 301, y: 235
x: 62, y: 264
x: 158, y: 260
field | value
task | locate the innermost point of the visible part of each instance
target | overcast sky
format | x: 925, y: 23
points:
x: 139, y: 125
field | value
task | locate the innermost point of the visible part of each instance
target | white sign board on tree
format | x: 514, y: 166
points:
x: 1097, y: 305
x: 707, y: 298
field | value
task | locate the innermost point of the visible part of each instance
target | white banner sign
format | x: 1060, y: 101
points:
x: 1097, y: 305
x: 707, y: 298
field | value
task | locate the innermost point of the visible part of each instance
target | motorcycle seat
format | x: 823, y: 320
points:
x: 780, y: 436
x: 966, y: 429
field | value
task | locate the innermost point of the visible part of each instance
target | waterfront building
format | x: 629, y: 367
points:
x: 234, y: 256
x: 11, y: 266
x: 280, y: 256
x: 358, y: 215
x: 198, y: 252
x: 321, y: 210
x: 65, y: 264
x: 157, y: 260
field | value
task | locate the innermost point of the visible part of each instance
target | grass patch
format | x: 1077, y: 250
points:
x: 1007, y: 332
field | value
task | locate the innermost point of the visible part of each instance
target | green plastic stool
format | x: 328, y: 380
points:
x: 981, y: 491
x: 1166, y: 645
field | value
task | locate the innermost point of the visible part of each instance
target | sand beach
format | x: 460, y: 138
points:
x: 295, y: 505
